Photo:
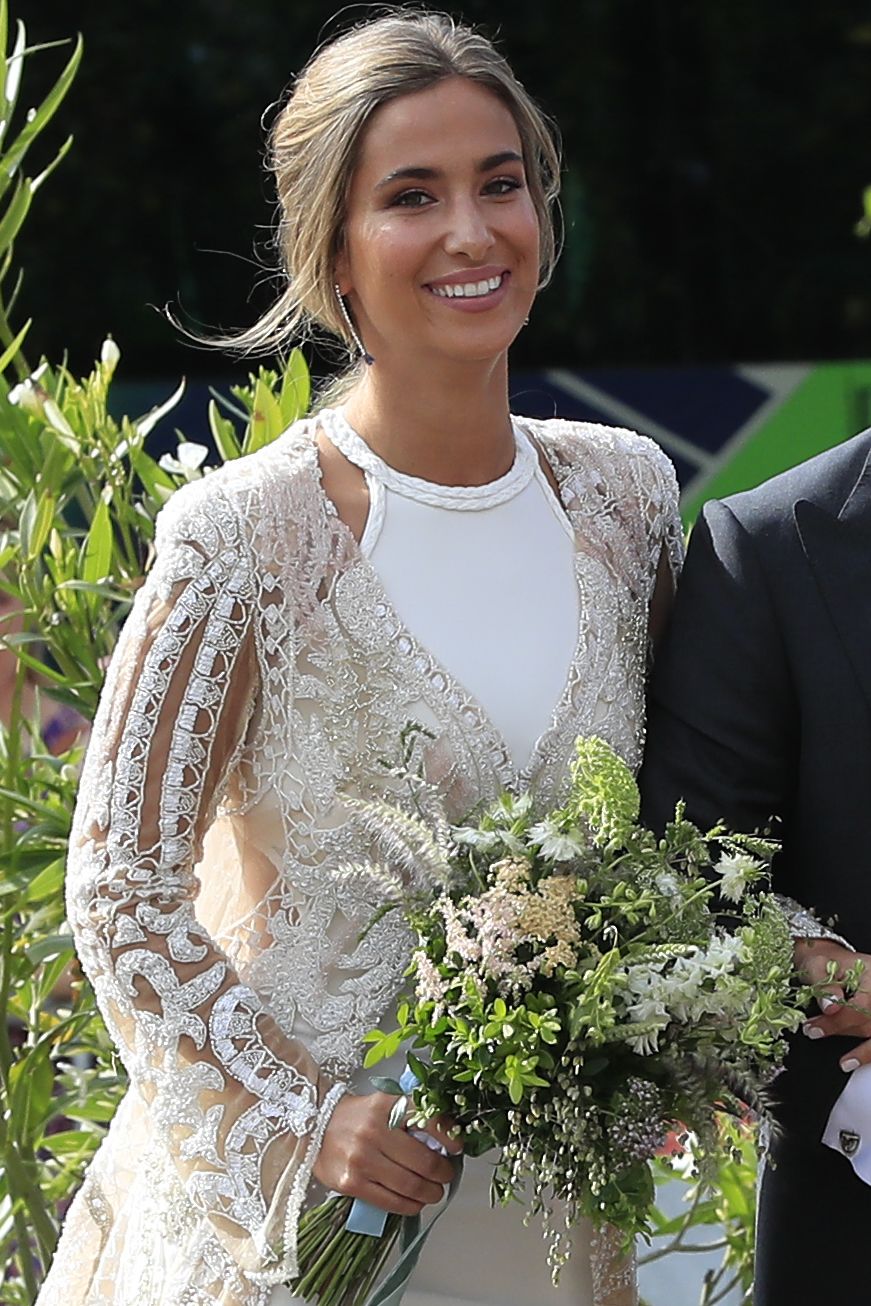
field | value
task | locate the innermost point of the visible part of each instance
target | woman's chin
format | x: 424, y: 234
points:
x: 477, y: 346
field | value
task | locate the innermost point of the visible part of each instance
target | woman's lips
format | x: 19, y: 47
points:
x: 473, y: 291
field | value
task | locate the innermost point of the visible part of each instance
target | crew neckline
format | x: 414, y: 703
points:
x: 463, y: 497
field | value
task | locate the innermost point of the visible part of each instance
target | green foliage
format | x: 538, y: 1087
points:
x: 719, y: 1217
x: 79, y: 495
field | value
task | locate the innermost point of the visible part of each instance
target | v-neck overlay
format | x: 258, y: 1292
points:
x: 483, y: 577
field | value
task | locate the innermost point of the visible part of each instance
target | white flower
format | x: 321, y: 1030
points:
x: 187, y: 462
x: 555, y: 845
x: 644, y: 1044
x: 29, y: 394
x: 110, y: 354
x: 431, y: 987
x: 648, y: 1009
x: 736, y: 871
x: 481, y: 840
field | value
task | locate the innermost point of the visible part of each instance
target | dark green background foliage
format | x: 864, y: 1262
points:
x: 716, y: 151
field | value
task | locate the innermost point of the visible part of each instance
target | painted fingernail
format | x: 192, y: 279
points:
x: 812, y: 1031
x: 850, y: 1064
x: 827, y: 1002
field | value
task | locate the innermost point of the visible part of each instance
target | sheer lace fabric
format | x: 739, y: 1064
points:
x: 261, y: 680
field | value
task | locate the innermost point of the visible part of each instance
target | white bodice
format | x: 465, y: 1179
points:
x: 485, y: 577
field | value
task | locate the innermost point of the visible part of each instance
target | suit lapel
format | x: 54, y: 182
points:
x: 838, y: 550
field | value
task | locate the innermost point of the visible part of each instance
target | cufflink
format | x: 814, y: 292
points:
x: 849, y: 1141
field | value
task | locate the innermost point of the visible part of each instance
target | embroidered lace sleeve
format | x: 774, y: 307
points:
x: 239, y: 1106
x: 803, y: 924
x: 659, y: 498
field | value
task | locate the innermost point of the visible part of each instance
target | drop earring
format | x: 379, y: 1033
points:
x: 355, y: 336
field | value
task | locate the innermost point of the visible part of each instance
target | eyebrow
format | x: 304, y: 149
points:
x: 430, y: 174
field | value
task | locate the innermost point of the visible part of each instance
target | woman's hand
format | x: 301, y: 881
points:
x: 361, y: 1156
x: 841, y: 1015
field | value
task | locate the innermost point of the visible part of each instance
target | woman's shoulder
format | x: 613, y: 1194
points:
x: 614, y: 454
x: 246, y: 489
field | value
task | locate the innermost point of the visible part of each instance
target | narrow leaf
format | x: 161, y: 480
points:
x: 44, y: 113
x: 224, y: 434
x: 295, y: 388
x: 97, y: 561
x: 266, y: 419
x: 146, y: 424
x: 16, y: 212
x: 13, y: 347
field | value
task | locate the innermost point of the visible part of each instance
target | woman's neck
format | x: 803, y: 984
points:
x: 449, y: 424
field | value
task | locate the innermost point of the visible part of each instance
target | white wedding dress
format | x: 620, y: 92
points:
x: 267, y: 671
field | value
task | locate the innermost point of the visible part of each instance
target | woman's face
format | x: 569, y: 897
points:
x: 441, y: 250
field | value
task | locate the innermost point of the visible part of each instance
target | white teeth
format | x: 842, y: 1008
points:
x: 470, y: 290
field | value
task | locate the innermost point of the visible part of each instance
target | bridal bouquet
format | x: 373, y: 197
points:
x: 579, y: 988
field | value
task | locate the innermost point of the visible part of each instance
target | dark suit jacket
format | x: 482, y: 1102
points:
x: 760, y: 703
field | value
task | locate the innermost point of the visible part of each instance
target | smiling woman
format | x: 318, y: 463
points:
x: 413, y: 555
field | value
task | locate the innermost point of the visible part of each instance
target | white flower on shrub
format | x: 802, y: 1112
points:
x: 188, y: 460
x: 110, y: 354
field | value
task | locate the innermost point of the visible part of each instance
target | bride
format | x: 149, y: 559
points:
x: 412, y: 554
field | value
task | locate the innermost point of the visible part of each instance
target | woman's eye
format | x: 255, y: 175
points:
x: 412, y: 199
x: 504, y: 185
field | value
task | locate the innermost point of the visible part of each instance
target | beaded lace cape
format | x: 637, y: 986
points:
x: 261, y: 678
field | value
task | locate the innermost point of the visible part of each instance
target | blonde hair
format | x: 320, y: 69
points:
x: 315, y: 142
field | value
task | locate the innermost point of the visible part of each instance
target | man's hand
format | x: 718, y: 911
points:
x: 842, y: 1015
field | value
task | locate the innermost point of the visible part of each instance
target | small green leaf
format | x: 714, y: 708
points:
x: 56, y: 945
x: 72, y: 1142
x: 97, y: 556
x: 384, y: 1048
x: 37, y: 518
x: 295, y: 388
x: 13, y: 347
x: 384, y: 1084
x: 16, y: 211
x: 267, y: 421
x: 48, y: 883
x: 417, y: 1067
x: 223, y: 433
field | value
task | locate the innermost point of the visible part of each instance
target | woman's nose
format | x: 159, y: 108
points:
x: 469, y: 232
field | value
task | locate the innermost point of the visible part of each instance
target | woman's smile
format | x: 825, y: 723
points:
x: 472, y: 291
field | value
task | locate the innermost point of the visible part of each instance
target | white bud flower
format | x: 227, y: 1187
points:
x: 27, y: 396
x: 110, y: 354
